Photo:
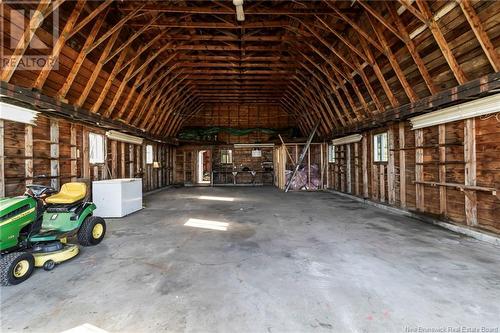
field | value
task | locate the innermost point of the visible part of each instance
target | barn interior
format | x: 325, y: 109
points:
x: 297, y: 165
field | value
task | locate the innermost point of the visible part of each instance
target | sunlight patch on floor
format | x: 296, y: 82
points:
x: 207, y: 224
x: 208, y: 197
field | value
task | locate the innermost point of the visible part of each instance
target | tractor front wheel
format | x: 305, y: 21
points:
x: 92, y: 231
x: 16, y: 267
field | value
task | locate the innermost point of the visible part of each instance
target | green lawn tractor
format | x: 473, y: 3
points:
x: 34, y: 229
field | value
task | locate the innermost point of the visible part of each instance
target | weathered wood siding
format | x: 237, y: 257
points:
x: 443, y: 160
x: 55, y: 151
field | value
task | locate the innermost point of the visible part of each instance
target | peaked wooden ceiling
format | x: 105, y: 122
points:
x: 154, y: 64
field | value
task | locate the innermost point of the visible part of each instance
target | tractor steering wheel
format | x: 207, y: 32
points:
x: 38, y: 191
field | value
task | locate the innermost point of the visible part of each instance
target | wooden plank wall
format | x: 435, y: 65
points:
x: 242, y: 116
x: 55, y: 151
x: 463, y: 152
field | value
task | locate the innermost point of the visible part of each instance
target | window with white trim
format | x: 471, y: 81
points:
x: 331, y: 154
x: 96, y: 148
x: 149, y: 154
x: 380, y: 148
x: 226, y: 156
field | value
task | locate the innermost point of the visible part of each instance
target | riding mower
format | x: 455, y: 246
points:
x: 34, y: 229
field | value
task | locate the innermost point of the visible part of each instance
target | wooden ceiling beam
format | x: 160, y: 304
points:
x: 229, y: 47
x: 111, y: 78
x: 121, y: 88
x: 96, y: 71
x: 225, y: 38
x: 328, y: 45
x: 378, y: 73
x: 149, y: 60
x: 153, y: 72
x: 61, y: 94
x: 381, y: 19
x: 43, y: 9
x: 343, y: 39
x: 356, y: 27
x: 111, y: 31
x: 481, y: 35
x: 393, y: 61
x: 89, y: 18
x: 412, y: 48
x: 441, y: 41
x: 231, y: 11
x: 241, y: 65
x: 406, y: 4
x: 142, y: 49
x: 131, y: 39
x: 214, y: 25
x: 132, y: 92
x: 58, y: 45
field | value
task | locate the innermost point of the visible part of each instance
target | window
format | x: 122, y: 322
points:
x: 331, y: 154
x: 149, y: 154
x: 380, y: 149
x: 96, y: 148
x: 226, y: 156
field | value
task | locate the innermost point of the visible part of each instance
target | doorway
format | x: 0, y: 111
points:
x: 204, y: 167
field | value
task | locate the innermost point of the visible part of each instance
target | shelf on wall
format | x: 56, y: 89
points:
x: 461, y: 187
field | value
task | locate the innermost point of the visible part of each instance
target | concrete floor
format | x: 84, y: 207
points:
x: 293, y: 262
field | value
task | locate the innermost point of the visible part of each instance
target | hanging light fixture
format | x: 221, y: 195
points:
x: 240, y: 14
x: 17, y: 113
x: 479, y: 107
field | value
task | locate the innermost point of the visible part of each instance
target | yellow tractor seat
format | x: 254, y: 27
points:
x: 69, y: 193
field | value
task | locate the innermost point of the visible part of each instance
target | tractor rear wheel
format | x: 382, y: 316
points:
x: 92, y: 231
x: 16, y: 267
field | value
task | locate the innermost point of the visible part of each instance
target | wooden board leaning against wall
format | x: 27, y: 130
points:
x: 450, y: 171
x: 56, y: 151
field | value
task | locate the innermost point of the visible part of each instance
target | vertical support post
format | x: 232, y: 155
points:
x: 382, y: 182
x: 54, y: 154
x: 327, y: 166
x: 342, y: 169
x: 419, y: 168
x: 144, y: 170
x: 364, y: 148
x: 131, y: 160
x: 309, y: 168
x: 2, y: 160
x: 322, y: 165
x: 356, y: 168
x: 86, y: 155
x: 402, y: 165
x: 73, y: 153
x: 138, y: 163
x: 122, y: 159
x: 114, y: 162
x: 348, y: 168
x: 442, y: 169
x: 391, y: 184
x: 470, y: 171
x: 375, y: 177
x: 28, y: 154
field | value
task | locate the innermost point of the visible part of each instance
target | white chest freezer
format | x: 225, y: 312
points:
x: 117, y: 197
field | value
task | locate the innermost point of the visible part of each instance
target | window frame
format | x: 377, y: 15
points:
x: 96, y: 160
x: 378, y: 152
x: 149, y: 154
x: 331, y: 153
x: 229, y: 153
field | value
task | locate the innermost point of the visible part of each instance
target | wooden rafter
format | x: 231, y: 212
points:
x: 481, y: 35
x: 441, y: 41
x: 43, y: 9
